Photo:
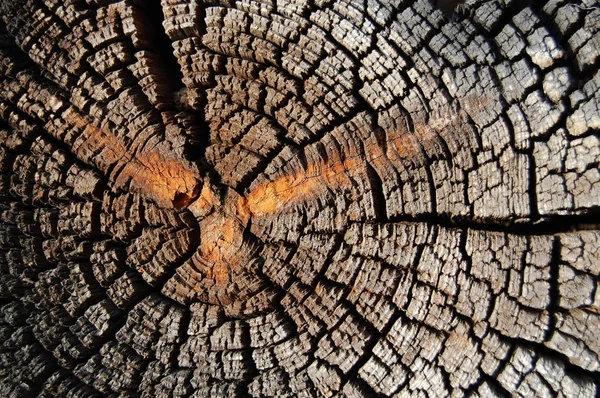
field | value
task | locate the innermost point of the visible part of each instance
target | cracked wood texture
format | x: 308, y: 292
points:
x: 303, y: 198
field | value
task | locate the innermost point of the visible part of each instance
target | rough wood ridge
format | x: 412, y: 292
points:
x: 300, y: 198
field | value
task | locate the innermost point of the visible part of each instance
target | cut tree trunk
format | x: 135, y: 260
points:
x: 299, y: 198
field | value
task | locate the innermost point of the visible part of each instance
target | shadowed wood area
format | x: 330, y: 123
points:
x: 261, y: 198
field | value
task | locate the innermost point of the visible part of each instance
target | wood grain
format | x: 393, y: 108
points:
x: 299, y: 198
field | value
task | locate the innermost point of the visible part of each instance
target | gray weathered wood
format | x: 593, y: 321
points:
x: 299, y: 198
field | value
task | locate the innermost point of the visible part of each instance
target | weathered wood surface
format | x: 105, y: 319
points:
x: 301, y: 198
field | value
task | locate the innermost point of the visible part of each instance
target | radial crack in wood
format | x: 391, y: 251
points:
x: 292, y: 198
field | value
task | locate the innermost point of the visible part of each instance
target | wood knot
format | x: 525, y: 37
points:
x: 182, y: 199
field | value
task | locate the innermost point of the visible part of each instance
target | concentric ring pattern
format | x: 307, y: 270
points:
x: 299, y: 198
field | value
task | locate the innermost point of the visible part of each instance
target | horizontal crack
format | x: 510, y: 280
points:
x: 547, y: 225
